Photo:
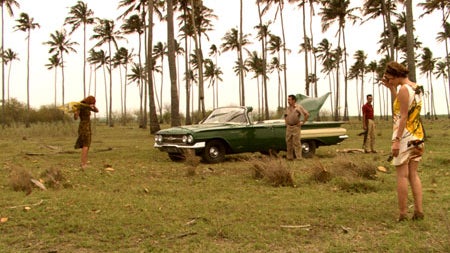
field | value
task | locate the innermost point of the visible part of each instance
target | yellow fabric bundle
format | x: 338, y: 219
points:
x: 70, y: 107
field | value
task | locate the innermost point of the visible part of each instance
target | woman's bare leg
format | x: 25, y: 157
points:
x: 402, y: 188
x: 84, y: 157
x: 416, y: 186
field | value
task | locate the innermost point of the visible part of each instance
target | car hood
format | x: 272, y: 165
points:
x: 199, y: 128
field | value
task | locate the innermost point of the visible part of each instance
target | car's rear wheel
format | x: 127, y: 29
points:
x: 214, y: 152
x: 177, y: 157
x: 308, y: 148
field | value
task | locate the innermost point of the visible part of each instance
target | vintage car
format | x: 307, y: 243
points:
x: 231, y: 130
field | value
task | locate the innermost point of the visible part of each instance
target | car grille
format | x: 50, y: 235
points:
x: 173, y: 139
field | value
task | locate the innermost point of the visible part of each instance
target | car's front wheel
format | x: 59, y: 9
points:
x: 308, y: 148
x: 214, y: 152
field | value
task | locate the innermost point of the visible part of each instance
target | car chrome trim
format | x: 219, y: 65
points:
x: 201, y: 144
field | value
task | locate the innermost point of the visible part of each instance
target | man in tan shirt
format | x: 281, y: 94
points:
x: 293, y: 126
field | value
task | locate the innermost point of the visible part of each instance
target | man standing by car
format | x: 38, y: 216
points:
x: 293, y: 127
x: 368, y: 126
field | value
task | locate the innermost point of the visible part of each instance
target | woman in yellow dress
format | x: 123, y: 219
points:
x: 408, y: 136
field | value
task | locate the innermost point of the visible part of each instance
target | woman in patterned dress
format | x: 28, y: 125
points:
x: 84, y: 129
x: 407, y: 138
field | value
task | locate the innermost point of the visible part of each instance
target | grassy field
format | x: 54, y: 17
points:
x: 132, y: 198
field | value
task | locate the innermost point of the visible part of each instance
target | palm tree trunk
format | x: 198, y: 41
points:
x: 56, y: 81
x: 154, y: 125
x: 111, y: 124
x: 174, y: 112
x: 305, y: 41
x: 410, y: 41
x: 345, y: 77
x: 27, y: 122
x: 240, y: 58
x: 84, y: 59
x: 3, y: 74
x: 106, y: 94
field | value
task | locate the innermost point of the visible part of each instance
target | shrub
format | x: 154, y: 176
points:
x: 20, y: 180
x: 273, y: 171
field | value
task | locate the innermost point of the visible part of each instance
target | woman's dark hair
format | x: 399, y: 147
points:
x: 396, y: 69
x: 89, y: 100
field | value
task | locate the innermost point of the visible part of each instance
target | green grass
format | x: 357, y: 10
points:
x: 149, y: 204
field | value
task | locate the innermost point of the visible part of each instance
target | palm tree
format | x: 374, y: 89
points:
x: 159, y: 50
x: 442, y: 5
x: 186, y: 32
x: 215, y: 52
x: 410, y: 43
x: 200, y: 21
x: 255, y: 64
x: 372, y: 68
x: 213, y: 74
x: 8, y: 57
x: 275, y: 45
x: 26, y: 24
x: 80, y: 14
x: 338, y: 11
x: 105, y: 33
x: 154, y: 125
x: 376, y: 8
x: 53, y: 63
x: 8, y: 4
x: 124, y: 58
x: 101, y: 59
x: 357, y: 71
x: 441, y: 70
x: 174, y: 108
x: 179, y: 50
x: 306, y: 47
x: 325, y: 55
x: 134, y: 24
x: 138, y: 75
x: 282, y: 42
x: 232, y: 41
x: 60, y: 44
x: 426, y: 66
x: 263, y: 33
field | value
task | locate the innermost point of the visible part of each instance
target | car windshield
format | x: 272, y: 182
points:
x: 227, y: 115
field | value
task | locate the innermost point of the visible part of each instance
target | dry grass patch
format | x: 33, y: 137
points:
x: 191, y: 161
x: 320, y: 174
x: 349, y: 174
x: 273, y: 171
x: 53, y: 178
x: 20, y: 180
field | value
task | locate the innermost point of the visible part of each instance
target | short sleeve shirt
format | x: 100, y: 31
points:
x: 293, y: 114
x: 368, y: 111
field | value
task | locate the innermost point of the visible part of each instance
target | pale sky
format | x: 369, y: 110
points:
x: 42, y: 80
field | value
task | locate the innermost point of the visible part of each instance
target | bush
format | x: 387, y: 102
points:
x: 273, y: 171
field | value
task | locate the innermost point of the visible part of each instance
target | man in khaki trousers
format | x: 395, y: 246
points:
x: 293, y: 127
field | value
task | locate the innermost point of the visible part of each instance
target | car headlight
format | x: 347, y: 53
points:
x: 158, y: 138
x: 188, y: 139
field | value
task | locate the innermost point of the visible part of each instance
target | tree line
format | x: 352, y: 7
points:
x: 195, y: 21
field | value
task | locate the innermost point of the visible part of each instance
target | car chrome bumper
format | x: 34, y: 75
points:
x: 176, y: 146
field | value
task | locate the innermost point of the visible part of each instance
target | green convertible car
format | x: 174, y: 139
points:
x: 231, y: 130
